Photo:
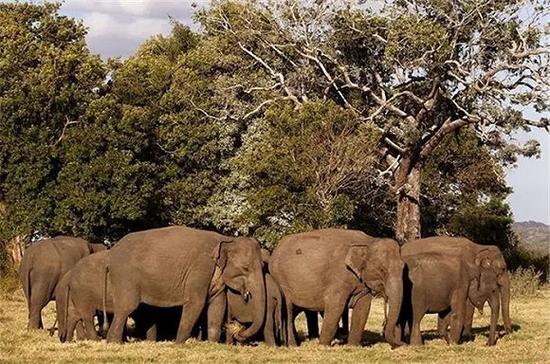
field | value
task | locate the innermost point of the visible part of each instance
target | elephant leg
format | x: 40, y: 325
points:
x: 468, y: 319
x: 290, y: 329
x: 344, y: 331
x: 331, y: 319
x: 190, y: 314
x: 40, y: 296
x: 494, y: 303
x: 125, y: 304
x: 82, y: 332
x: 269, y: 325
x: 458, y: 310
x: 443, y: 325
x: 215, y: 315
x: 312, y: 318
x: 359, y: 318
x: 71, y: 326
x: 418, y: 312
x: 152, y: 333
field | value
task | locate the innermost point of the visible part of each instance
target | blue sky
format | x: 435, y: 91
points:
x: 117, y: 27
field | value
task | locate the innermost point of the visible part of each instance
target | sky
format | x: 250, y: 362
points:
x: 117, y: 27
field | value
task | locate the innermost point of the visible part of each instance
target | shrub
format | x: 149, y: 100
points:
x: 9, y: 283
x: 525, y: 282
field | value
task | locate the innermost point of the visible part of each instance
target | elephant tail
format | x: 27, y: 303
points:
x: 105, y: 327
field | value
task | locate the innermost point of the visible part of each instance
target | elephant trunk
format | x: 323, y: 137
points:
x: 257, y: 293
x: 394, y: 294
x: 504, y: 285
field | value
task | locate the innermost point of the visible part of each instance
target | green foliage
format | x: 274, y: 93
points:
x: 193, y: 130
x: 416, y: 42
x: 304, y: 169
x: 46, y: 79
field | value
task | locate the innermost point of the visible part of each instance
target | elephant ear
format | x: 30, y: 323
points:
x: 219, y: 254
x: 483, y: 258
x: 356, y: 259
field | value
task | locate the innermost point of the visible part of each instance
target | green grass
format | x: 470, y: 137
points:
x: 530, y: 343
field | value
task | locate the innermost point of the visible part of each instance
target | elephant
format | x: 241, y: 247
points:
x: 491, y: 280
x: 82, y: 293
x: 43, y: 265
x: 312, y: 319
x: 242, y: 310
x: 434, y: 283
x: 177, y: 265
x: 332, y: 269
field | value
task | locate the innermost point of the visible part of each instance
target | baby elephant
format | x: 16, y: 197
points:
x: 242, y: 310
x: 434, y: 283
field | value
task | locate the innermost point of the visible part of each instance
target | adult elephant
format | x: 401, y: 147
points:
x: 178, y: 265
x: 42, y: 267
x: 490, y: 260
x: 82, y: 294
x: 332, y: 269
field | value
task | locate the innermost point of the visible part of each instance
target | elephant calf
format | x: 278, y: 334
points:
x: 241, y: 309
x: 42, y: 267
x: 434, y: 283
x: 491, y: 281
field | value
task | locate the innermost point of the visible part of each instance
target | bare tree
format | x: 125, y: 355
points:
x: 416, y: 70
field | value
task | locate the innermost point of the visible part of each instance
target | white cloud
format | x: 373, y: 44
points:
x: 141, y: 8
x: 117, y: 27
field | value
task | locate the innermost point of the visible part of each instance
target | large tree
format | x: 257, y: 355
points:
x: 47, y: 78
x: 417, y: 71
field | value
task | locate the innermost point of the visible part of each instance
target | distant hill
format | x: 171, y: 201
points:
x: 534, y: 236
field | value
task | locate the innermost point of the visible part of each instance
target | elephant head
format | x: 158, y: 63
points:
x: 488, y: 269
x: 96, y: 248
x: 240, y: 262
x: 379, y: 266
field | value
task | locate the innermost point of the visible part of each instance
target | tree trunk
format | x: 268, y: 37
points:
x: 407, y: 184
x: 14, y: 251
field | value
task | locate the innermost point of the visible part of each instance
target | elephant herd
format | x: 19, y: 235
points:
x: 179, y: 282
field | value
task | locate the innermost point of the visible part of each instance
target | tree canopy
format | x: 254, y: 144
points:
x: 275, y: 117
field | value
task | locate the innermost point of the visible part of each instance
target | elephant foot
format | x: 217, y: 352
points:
x: 491, y: 342
x: 395, y: 345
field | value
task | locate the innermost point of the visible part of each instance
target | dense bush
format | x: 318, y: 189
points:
x: 525, y: 282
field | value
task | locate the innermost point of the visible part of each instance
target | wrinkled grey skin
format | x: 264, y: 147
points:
x: 176, y: 266
x: 43, y: 265
x: 332, y: 269
x: 79, y: 297
x: 242, y: 311
x: 490, y: 279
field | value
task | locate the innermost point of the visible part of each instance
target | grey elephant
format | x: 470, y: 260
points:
x: 82, y: 293
x: 490, y: 278
x: 332, y: 269
x: 435, y: 283
x: 177, y: 265
x: 242, y: 310
x: 43, y: 265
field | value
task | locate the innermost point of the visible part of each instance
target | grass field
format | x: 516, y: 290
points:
x: 530, y: 343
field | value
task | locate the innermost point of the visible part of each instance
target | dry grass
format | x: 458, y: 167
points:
x: 528, y: 344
